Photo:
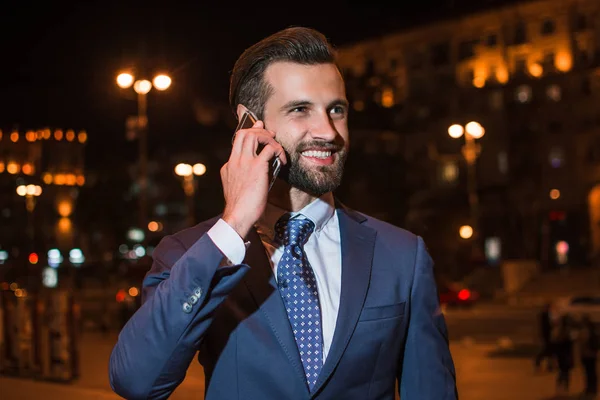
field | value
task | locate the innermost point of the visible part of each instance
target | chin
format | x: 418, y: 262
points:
x: 316, y: 182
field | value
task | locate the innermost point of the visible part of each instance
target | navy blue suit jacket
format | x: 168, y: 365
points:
x: 389, y: 326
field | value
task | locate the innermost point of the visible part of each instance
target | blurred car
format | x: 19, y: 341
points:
x: 456, y: 295
x: 578, y: 306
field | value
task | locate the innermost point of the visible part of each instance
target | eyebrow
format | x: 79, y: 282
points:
x: 304, y: 103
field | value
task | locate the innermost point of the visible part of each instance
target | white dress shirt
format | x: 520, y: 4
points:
x: 323, y: 251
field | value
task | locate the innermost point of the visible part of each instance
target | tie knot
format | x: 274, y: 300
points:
x: 293, y: 231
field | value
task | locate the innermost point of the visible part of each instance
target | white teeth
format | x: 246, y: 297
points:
x: 316, y: 154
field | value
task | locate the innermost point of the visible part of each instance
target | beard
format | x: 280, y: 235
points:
x: 315, y: 180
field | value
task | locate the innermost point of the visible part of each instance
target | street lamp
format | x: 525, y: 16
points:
x: 465, y: 232
x: 188, y: 172
x: 142, y: 87
x: 31, y: 193
x: 470, y: 151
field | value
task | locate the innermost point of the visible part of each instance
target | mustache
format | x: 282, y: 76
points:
x: 320, y: 145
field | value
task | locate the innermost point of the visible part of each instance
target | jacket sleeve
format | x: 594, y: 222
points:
x: 426, y: 370
x: 179, y: 295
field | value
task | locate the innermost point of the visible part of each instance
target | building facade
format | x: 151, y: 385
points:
x: 41, y: 175
x: 529, y: 74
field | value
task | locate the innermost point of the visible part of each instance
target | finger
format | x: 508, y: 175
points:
x: 239, y: 136
x: 238, y: 141
x: 255, y: 140
x: 271, y: 150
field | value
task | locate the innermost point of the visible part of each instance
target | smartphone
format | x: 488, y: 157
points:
x: 247, y: 121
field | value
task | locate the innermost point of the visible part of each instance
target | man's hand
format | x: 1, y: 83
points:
x: 246, y: 178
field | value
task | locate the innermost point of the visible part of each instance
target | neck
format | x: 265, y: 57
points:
x: 288, y: 197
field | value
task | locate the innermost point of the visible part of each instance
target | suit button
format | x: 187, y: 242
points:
x: 198, y: 292
x: 193, y: 299
x: 187, y: 308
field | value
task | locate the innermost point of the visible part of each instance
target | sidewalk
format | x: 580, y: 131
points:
x: 93, y: 383
x: 480, y: 374
x: 484, y: 376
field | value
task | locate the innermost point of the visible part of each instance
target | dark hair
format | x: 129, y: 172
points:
x: 297, y: 44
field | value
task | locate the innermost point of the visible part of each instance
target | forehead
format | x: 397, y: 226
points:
x: 290, y: 80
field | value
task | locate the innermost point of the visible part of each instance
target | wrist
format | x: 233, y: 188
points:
x: 240, y: 225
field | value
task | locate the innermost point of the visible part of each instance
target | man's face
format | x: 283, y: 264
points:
x: 308, y: 111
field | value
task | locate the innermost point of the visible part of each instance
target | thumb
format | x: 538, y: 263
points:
x: 259, y: 124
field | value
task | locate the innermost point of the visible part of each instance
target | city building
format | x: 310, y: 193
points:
x: 528, y: 76
x: 41, y: 175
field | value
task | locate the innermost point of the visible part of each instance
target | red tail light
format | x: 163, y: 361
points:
x: 120, y: 297
x: 464, y: 294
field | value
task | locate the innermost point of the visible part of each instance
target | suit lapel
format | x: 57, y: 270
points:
x: 357, y: 245
x: 263, y: 287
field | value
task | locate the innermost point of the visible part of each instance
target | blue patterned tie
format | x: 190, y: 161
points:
x: 298, y: 288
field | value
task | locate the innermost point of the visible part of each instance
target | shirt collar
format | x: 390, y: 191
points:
x: 319, y: 211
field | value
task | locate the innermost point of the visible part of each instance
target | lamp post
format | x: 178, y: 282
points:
x: 30, y: 192
x: 142, y: 87
x: 188, y: 172
x: 470, y: 151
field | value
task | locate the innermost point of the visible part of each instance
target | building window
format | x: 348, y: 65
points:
x: 491, y: 40
x: 549, y: 61
x: 556, y: 157
x: 415, y: 59
x: 449, y: 172
x: 523, y: 94
x: 469, y: 76
x: 520, y: 36
x: 583, y: 57
x: 586, y: 86
x: 548, y: 27
x: 440, y: 54
x: 520, y: 66
x: 496, y: 100
x: 553, y: 92
x: 493, y: 74
x: 503, y: 162
x: 466, y: 49
x: 580, y: 23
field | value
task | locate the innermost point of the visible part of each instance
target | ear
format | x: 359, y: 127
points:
x: 241, y: 109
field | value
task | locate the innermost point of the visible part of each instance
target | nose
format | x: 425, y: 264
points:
x: 324, y: 128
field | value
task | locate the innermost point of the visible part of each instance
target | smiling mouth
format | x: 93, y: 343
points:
x: 317, y: 154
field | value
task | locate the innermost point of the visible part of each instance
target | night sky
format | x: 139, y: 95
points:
x: 59, y: 62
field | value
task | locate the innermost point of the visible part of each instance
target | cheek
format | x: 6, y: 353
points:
x: 288, y: 137
x: 287, y: 144
x: 342, y: 128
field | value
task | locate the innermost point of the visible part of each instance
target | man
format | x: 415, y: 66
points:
x: 289, y: 294
x: 545, y: 329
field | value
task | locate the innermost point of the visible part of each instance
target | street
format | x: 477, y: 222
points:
x: 483, y: 371
x: 490, y: 324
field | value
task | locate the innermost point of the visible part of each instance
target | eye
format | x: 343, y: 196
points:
x: 299, y: 109
x: 339, y: 111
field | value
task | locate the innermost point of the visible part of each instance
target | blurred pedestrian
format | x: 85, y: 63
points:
x: 589, y: 347
x: 545, y: 329
x: 563, y: 347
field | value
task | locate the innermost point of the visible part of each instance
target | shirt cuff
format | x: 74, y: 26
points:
x: 228, y: 241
